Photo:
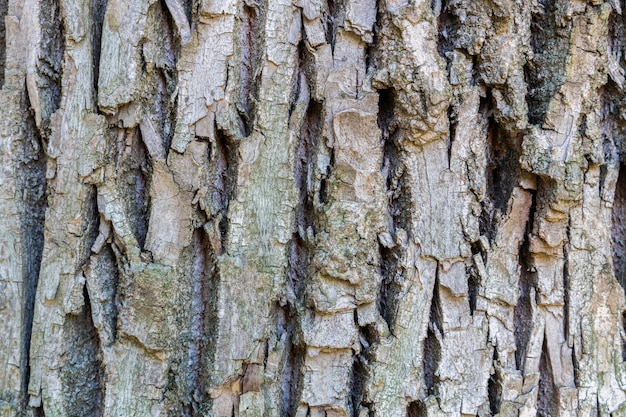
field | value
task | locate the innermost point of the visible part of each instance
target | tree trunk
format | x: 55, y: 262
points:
x: 312, y: 208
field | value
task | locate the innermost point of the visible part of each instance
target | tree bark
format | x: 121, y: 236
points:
x: 312, y: 208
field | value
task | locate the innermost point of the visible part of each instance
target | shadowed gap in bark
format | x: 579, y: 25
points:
x: 398, y: 210
x: 566, y: 283
x: 473, y: 285
x: 432, y: 345
x: 545, y: 73
x: 360, y: 371
x: 160, y: 77
x: 416, y: 409
x: 503, y: 170
x: 31, y: 179
x: 49, y: 66
x: 4, y: 8
x: 98, y: 8
x: 623, y: 339
x: 323, y: 190
x: 494, y: 387
x: 203, y: 317
x: 372, y: 47
x: 452, y: 120
x: 226, y: 158
x: 618, y: 230
x: 523, y: 316
x: 333, y: 15
x: 547, y: 395
x: 447, y: 24
x: 252, y: 40
x: 83, y: 378
x: 294, y: 361
x: 135, y: 173
x: 82, y: 375
x: 107, y: 273
x: 300, y: 250
x: 309, y: 138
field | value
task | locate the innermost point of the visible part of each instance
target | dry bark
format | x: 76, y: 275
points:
x: 312, y: 208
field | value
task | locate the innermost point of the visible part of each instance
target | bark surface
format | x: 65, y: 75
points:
x: 307, y: 208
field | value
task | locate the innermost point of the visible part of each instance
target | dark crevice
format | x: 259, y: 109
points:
x: 398, y: 211
x: 612, y: 99
x: 494, y: 387
x: 82, y: 374
x: 37, y: 411
x: 523, y: 317
x: 372, y: 48
x: 288, y: 323
x: 98, y: 8
x: 473, y: 287
x: 333, y: 15
x: 452, y: 119
x: 547, y: 395
x: 447, y: 25
x: 203, y: 319
x: 545, y: 72
x: 360, y: 372
x: 624, y: 336
x: 503, y: 170
x: 300, y: 79
x: 360, y: 368
x: 416, y: 409
x: 432, y: 344
x: 300, y: 250
x: 225, y: 162
x: 618, y: 230
x: 4, y: 8
x: 135, y: 173
x: 160, y: 78
x: 49, y: 66
x: 309, y: 140
x: 166, y: 110
x: 252, y: 22
x: 575, y: 366
x: 386, y: 107
x: 325, y: 178
x: 31, y: 181
x: 106, y: 269
x: 566, y: 284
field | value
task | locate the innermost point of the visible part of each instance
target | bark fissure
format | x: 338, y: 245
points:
x: 432, y: 343
x: 251, y: 56
x: 44, y: 86
x: 392, y: 250
x: 4, y: 8
x: 32, y: 186
x: 545, y: 72
x: 619, y: 227
x: 523, y: 316
x: 547, y: 396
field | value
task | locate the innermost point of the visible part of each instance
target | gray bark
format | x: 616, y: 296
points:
x: 312, y: 208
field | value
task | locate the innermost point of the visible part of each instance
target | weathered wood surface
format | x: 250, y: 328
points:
x: 312, y: 208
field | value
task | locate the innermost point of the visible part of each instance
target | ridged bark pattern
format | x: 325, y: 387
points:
x: 307, y: 208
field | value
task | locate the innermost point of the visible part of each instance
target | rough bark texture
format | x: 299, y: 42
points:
x: 312, y: 208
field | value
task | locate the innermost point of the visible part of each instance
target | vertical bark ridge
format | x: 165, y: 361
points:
x: 262, y: 218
